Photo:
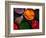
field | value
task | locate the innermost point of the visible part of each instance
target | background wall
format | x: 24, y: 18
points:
x: 2, y: 19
